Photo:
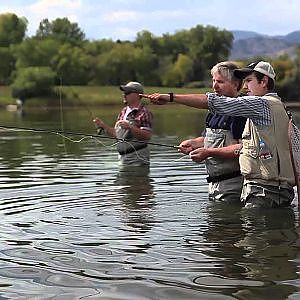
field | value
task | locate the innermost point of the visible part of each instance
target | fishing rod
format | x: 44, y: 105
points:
x: 63, y: 132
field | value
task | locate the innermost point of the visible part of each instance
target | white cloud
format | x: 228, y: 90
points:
x: 43, y: 6
x: 53, y: 9
x: 121, y: 16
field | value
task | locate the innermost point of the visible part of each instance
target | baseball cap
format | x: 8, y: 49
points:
x: 132, y: 87
x: 262, y: 67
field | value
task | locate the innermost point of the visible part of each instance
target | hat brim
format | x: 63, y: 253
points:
x: 125, y: 88
x: 242, y: 73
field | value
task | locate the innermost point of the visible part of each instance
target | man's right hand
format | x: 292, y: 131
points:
x: 186, y: 147
x: 157, y: 98
x: 98, y: 123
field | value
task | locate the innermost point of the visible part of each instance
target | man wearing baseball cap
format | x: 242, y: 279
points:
x: 260, y: 69
x: 265, y: 160
x: 133, y: 125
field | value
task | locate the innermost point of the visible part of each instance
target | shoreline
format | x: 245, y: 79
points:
x: 13, y: 107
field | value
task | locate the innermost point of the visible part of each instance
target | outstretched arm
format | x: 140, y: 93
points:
x: 193, y: 100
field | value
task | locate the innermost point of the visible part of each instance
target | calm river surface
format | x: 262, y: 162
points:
x: 76, y: 226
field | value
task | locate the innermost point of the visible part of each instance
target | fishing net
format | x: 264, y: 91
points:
x: 294, y: 145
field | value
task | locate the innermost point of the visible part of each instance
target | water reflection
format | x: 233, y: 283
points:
x: 270, y: 243
x: 224, y: 230
x: 136, y: 195
x: 76, y: 226
x: 253, y: 251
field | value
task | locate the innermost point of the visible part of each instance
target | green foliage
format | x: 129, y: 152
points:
x: 173, y: 45
x: 208, y: 46
x: 180, y: 59
x: 12, y: 29
x: 61, y: 29
x: 170, y: 59
x: 6, y: 65
x: 145, y: 39
x: 145, y: 66
x: 116, y: 66
x: 288, y: 74
x: 33, y: 52
x: 179, y: 73
x: 33, y: 82
x: 94, y: 48
x: 12, y: 32
x: 72, y: 65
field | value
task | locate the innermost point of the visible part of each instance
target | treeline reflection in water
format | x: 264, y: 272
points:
x: 74, y: 225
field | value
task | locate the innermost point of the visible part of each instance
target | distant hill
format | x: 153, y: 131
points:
x: 249, y: 44
x: 242, y: 35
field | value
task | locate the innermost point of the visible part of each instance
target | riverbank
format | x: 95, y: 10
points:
x: 84, y: 96
x: 93, y: 96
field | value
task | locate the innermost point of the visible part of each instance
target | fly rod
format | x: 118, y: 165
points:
x: 62, y: 132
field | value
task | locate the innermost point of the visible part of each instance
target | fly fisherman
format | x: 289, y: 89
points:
x: 134, y: 125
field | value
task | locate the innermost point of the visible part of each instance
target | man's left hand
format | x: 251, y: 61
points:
x: 199, y: 154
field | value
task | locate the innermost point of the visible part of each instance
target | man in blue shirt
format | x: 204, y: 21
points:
x: 221, y: 141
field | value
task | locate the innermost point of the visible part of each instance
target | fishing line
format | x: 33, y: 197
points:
x: 61, y: 112
x: 96, y: 138
x: 85, y: 135
x: 81, y: 103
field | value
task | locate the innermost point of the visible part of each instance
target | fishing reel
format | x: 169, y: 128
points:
x: 100, y: 130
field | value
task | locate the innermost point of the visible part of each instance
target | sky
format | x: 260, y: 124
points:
x: 123, y: 19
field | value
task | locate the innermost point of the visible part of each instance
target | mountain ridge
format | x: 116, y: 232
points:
x: 247, y: 44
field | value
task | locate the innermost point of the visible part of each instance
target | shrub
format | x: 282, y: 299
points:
x: 33, y: 82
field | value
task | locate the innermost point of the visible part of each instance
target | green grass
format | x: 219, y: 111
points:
x: 86, y: 95
x: 5, y: 96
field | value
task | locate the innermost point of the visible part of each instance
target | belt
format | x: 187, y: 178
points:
x: 133, y: 149
x: 223, y: 176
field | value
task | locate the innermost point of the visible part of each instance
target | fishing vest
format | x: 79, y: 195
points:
x: 222, y: 131
x: 265, y: 156
x: 130, y: 144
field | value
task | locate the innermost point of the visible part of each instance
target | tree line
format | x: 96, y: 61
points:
x: 59, y: 53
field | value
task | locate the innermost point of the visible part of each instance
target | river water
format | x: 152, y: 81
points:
x: 74, y: 225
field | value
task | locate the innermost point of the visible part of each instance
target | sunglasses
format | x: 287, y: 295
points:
x: 127, y: 93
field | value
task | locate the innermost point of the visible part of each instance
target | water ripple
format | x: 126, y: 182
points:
x: 78, y: 226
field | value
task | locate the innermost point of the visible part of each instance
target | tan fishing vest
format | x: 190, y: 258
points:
x: 217, y: 138
x: 265, y: 156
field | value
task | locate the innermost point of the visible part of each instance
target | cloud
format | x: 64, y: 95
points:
x: 121, y: 16
x: 57, y: 6
x: 53, y: 9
